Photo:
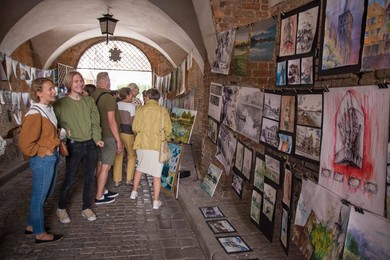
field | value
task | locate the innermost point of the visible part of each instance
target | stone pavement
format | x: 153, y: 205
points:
x: 129, y: 229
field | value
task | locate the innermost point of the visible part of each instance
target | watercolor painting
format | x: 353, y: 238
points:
x: 308, y: 142
x: 269, y: 201
x: 215, y: 103
x: 229, y: 106
x: 223, y: 52
x: 294, y: 72
x: 307, y: 70
x: 307, y: 29
x: 171, y: 169
x: 226, y: 145
x: 211, y: 179
x: 285, y: 143
x: 376, y: 49
x: 281, y: 73
x: 367, y: 237
x: 183, y: 121
x: 260, y: 172
x: 288, y: 34
x: 269, y: 132
x: 354, y: 146
x: 262, y: 41
x: 256, y: 206
x: 272, y: 166
x: 240, y: 55
x: 309, y: 111
x: 272, y: 106
x: 287, y: 114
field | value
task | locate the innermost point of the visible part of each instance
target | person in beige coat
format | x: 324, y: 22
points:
x: 147, y: 127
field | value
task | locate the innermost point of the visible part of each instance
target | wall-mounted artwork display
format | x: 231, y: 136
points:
x: 354, y: 146
x: 267, y: 215
x: 342, y: 39
x: 287, y: 187
x: 287, y: 113
x: 223, y: 52
x: 285, y: 230
x: 247, y: 163
x: 249, y: 111
x: 285, y: 143
x: 269, y: 132
x: 233, y: 244
x: 211, y: 179
x: 211, y: 212
x: 262, y: 41
x: 256, y: 202
x: 183, y: 121
x: 288, y: 34
x: 281, y: 73
x: 309, y: 111
x: 307, y: 70
x: 171, y: 168
x: 376, y: 49
x: 240, y: 55
x: 215, y: 104
x: 220, y: 226
x: 272, y: 106
x: 213, y: 130
x: 308, y: 142
x: 260, y: 172
x: 294, y: 72
x: 273, y: 168
x: 307, y: 29
x: 229, y: 106
x: 237, y: 168
x: 367, y: 237
x: 226, y: 145
x: 314, y: 231
x: 238, y: 184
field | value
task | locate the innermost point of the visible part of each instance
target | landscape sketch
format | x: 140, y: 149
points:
x: 367, y: 236
x: 211, y: 179
x: 215, y: 104
x: 262, y: 40
x: 259, y: 173
x: 249, y: 112
x: 308, y: 142
x: 309, y: 110
x: 226, y: 145
x: 272, y: 169
x: 256, y: 206
x: 241, y: 48
x: 354, y: 146
x: 287, y: 114
x: 223, y: 51
x: 288, y: 34
x: 307, y: 28
x: 171, y: 168
x: 269, y: 132
x: 229, y: 106
x: 183, y: 121
x: 272, y: 106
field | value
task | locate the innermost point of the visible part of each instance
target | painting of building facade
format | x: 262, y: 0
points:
x: 308, y: 142
x: 354, y: 146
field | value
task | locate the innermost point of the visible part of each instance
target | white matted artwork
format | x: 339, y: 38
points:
x: 354, y: 145
x: 226, y: 145
x: 272, y: 106
x: 223, y: 51
x: 260, y: 172
x: 215, y: 102
x: 247, y: 163
x: 309, y: 110
x: 211, y: 179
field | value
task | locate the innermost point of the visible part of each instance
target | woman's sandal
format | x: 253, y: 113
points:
x: 55, y: 239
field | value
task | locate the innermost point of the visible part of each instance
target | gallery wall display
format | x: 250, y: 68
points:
x: 211, y: 179
x: 354, y: 145
x: 171, y: 168
x: 183, y: 121
x: 223, y: 51
x: 215, y: 103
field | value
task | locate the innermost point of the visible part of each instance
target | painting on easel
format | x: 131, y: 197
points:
x: 182, y: 124
x: 171, y: 168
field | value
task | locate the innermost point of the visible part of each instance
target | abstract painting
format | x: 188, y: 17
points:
x: 211, y: 179
x: 171, y: 168
x: 262, y: 41
x: 367, y: 237
x: 213, y: 130
x: 229, y: 106
x: 183, y: 121
x: 294, y: 72
x: 287, y: 187
x: 249, y: 112
x: 226, y: 145
x: 247, y: 163
x: 307, y: 70
x: 354, y: 145
x: 308, y: 142
x: 342, y: 39
x: 376, y: 49
x: 281, y: 74
x: 238, y: 184
x: 240, y: 56
x: 260, y: 171
x: 220, y: 226
x: 256, y: 206
x: 309, y: 110
x: 215, y: 104
x: 288, y: 34
x: 287, y: 114
x: 307, y: 28
x: 269, y: 132
x: 223, y: 51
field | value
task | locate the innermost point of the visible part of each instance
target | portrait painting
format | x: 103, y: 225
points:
x: 309, y: 110
x: 342, y: 38
x: 287, y: 114
x: 288, y: 34
x: 256, y: 206
x: 226, y: 145
x: 229, y: 106
x: 223, y: 51
x: 241, y: 49
x: 262, y: 40
x: 294, y: 72
x: 308, y: 142
x: 307, y: 29
x: 215, y: 102
x: 307, y: 71
x: 354, y: 145
x: 213, y: 130
x: 281, y: 73
x: 260, y: 172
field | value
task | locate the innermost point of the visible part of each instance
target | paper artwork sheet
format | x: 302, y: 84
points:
x: 223, y: 51
x: 211, y: 179
x: 229, y: 106
x: 226, y: 145
x: 215, y: 103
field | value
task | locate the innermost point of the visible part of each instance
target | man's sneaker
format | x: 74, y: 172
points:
x: 88, y: 214
x: 63, y: 216
x: 110, y: 194
x: 104, y: 200
x: 133, y: 195
x: 156, y: 204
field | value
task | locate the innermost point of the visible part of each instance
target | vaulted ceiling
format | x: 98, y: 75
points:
x: 174, y: 27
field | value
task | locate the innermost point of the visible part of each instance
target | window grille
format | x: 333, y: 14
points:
x: 62, y: 70
x: 116, y: 55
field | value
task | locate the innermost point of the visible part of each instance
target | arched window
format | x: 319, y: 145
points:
x: 124, y: 62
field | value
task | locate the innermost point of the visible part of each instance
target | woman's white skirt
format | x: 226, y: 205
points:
x: 148, y: 162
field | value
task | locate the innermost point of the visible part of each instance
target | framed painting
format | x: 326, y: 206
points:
x: 171, y: 168
x: 273, y: 168
x: 256, y: 202
x: 288, y: 35
x: 238, y: 184
x: 307, y: 71
x: 343, y: 36
x: 287, y: 113
x: 211, y: 179
x: 281, y: 73
x: 260, y: 172
x: 223, y: 52
x: 215, y: 102
x: 271, y: 108
x: 183, y: 121
x: 285, y: 143
x: 308, y: 143
x: 211, y: 212
x: 213, y: 130
x: 309, y: 110
x: 233, y: 244
x: 226, y: 145
x: 220, y: 226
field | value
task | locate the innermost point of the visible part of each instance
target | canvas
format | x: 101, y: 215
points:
x: 211, y: 179
x: 183, y: 121
x: 262, y: 41
x: 226, y: 145
x: 240, y: 55
x: 225, y: 43
x: 215, y: 103
x: 354, y: 145
x: 171, y: 168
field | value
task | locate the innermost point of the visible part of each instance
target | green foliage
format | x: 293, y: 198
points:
x: 321, y: 239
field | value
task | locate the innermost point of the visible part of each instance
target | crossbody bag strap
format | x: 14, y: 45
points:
x: 162, y: 124
x: 97, y: 99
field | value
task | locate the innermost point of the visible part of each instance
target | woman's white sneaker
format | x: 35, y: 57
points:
x: 156, y: 204
x: 133, y: 195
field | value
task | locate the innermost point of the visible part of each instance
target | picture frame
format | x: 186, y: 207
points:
x: 220, y: 226
x: 233, y: 244
x: 259, y: 172
x: 171, y: 169
x: 213, y: 130
x: 211, y: 179
x: 285, y: 230
x: 215, y: 101
x: 273, y: 166
x: 256, y: 206
x: 237, y: 184
x: 247, y: 163
x: 211, y: 212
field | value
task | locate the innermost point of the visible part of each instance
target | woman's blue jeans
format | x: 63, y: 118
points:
x: 79, y: 152
x: 44, y: 171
